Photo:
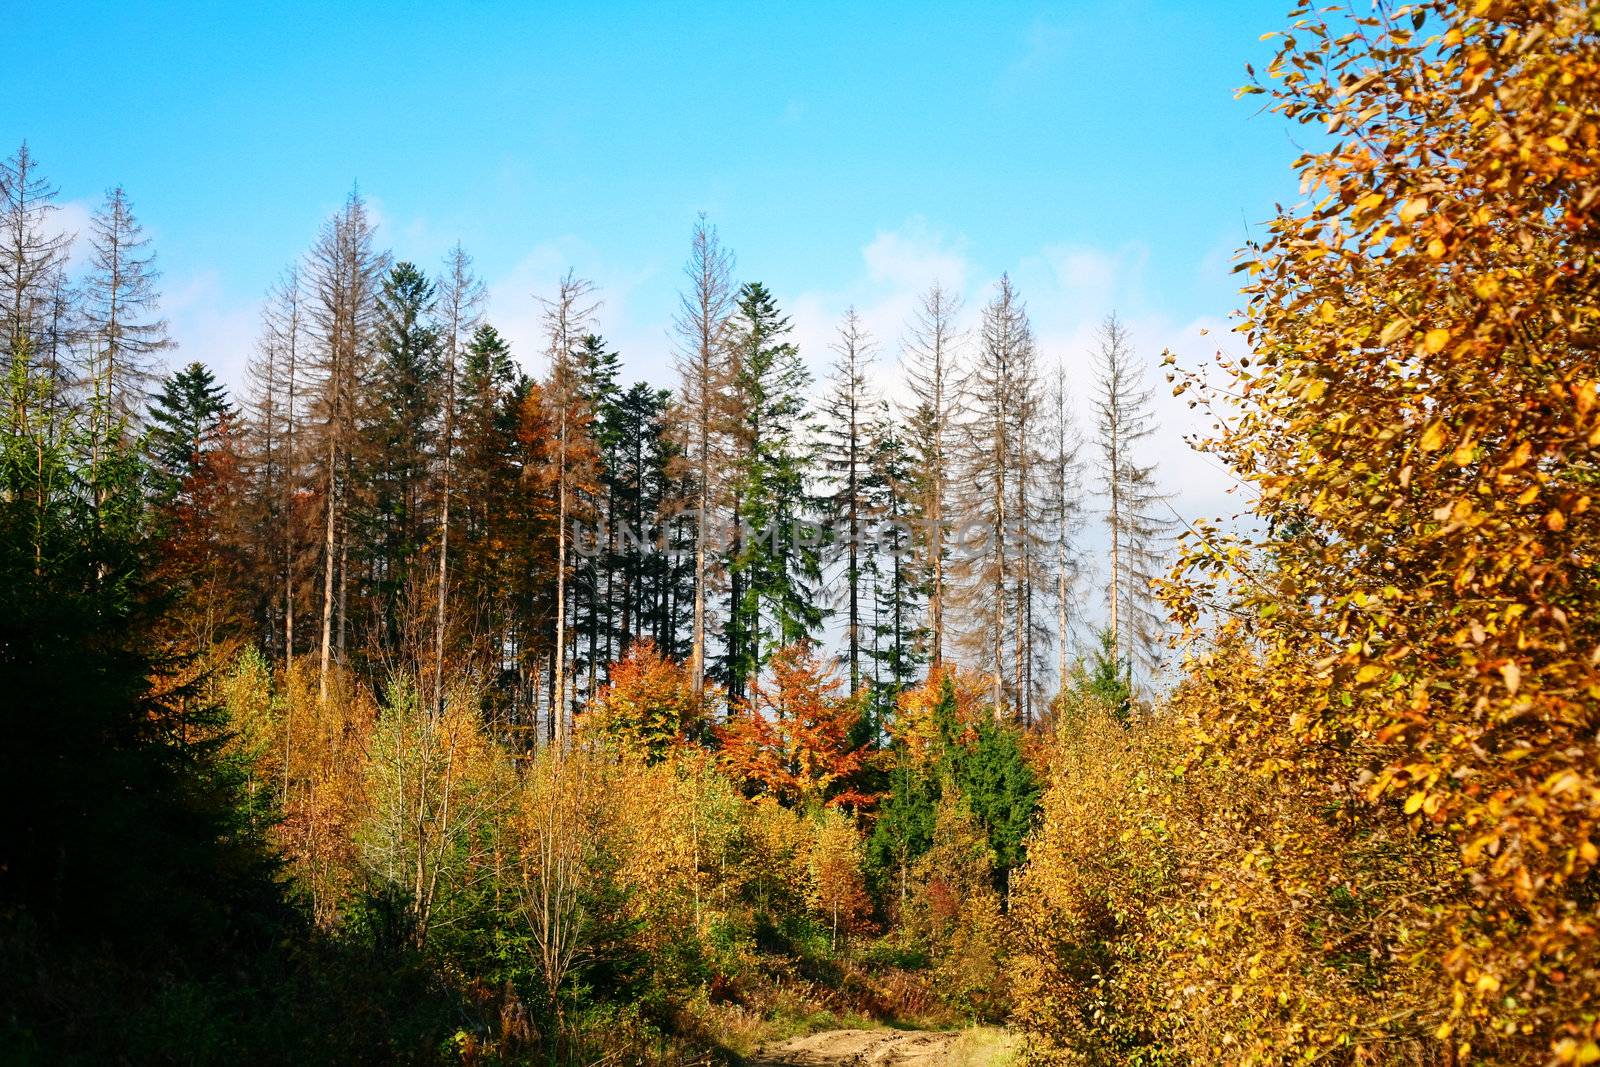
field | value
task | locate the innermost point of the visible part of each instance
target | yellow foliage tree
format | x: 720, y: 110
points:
x: 1419, y: 417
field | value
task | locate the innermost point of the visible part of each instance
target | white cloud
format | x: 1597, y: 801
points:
x: 211, y: 329
x: 515, y: 310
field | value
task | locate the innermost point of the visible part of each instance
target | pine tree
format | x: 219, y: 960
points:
x: 595, y: 573
x: 487, y: 481
x: 640, y: 488
x: 899, y: 586
x: 398, y: 439
x: 185, y: 417
x: 114, y: 802
x: 195, y: 470
x: 774, y: 563
x: 845, y: 456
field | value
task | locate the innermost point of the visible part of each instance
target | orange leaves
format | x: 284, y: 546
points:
x: 649, y: 706
x: 792, y: 740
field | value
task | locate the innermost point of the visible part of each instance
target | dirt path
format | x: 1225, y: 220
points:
x: 859, y: 1048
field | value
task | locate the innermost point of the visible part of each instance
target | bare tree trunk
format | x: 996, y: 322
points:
x: 327, y: 571
x: 463, y: 295
x: 702, y: 326
x: 930, y: 351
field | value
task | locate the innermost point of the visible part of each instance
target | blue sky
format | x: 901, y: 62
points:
x: 848, y: 154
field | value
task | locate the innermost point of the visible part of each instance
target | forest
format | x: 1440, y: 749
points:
x: 423, y: 700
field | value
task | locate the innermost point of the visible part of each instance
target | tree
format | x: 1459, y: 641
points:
x: 792, y: 740
x: 32, y: 258
x: 1123, y: 419
x: 1104, y: 682
x: 185, y: 417
x: 649, y: 705
x: 112, y: 752
x: 702, y: 361
x: 847, y: 412
x: 899, y: 634
x: 345, y: 273
x: 1064, y: 512
x: 934, y: 376
x: 120, y: 302
x: 277, y: 382
x: 1004, y: 466
x: 460, y: 306
x: 488, y: 405
x: 1419, y: 418
x: 596, y: 571
x: 572, y: 459
x: 774, y: 563
x: 837, y: 891
x: 399, y: 438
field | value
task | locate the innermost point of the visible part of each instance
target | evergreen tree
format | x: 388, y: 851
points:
x: 898, y: 633
x: 185, y: 418
x: 115, y: 803
x: 594, y: 575
x: 774, y: 564
x: 399, y: 435
x: 847, y: 410
x: 487, y: 477
x: 1105, y: 680
x: 978, y: 760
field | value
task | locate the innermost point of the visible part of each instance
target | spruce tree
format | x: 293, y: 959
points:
x: 185, y: 417
x: 399, y: 436
x: 775, y: 562
x: 846, y: 411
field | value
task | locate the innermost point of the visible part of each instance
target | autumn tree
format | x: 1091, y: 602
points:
x: 648, y: 706
x: 836, y: 890
x: 1418, y: 415
x: 792, y: 739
